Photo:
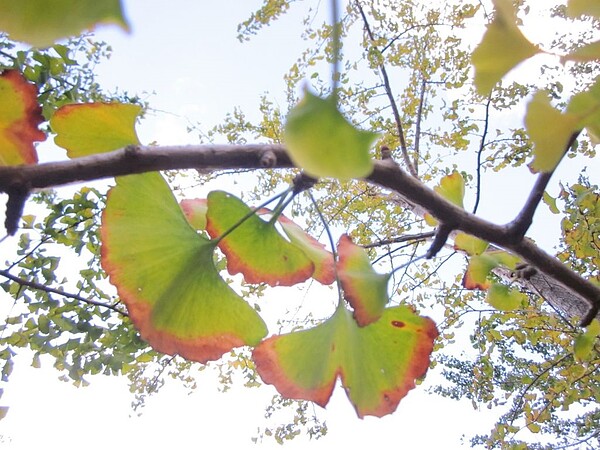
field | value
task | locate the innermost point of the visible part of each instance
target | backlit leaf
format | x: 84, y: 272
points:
x: 470, y: 244
x: 323, y: 143
x: 588, y: 7
x: 550, y: 130
x: 165, y: 274
x: 324, y: 271
x: 365, y: 289
x: 195, y: 211
x: 20, y: 116
x: 254, y: 248
x: 586, y: 106
x: 584, y: 342
x: 452, y: 188
x: 42, y: 22
x: 476, y: 276
x: 85, y: 129
x: 551, y: 202
x: 589, y: 52
x: 503, y: 47
x: 503, y: 298
x: 377, y: 364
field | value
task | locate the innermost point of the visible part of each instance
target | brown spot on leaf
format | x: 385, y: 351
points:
x: 398, y: 324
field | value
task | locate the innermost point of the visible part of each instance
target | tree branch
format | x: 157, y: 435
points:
x: 390, y: 95
x: 41, y: 287
x: 387, y: 174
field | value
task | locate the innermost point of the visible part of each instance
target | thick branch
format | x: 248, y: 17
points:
x: 386, y: 173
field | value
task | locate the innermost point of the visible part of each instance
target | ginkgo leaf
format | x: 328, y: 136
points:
x: 42, y: 22
x: 503, y: 47
x: 378, y: 364
x: 470, y: 244
x: 195, y: 211
x: 588, y: 7
x: 476, y: 276
x: 20, y: 116
x: 504, y: 298
x: 85, y: 129
x: 589, y: 52
x: 586, y: 106
x: 452, y: 188
x: 323, y: 143
x: 324, y: 271
x: 254, y: 247
x: 165, y: 274
x: 365, y: 289
x: 550, y: 130
x: 585, y: 342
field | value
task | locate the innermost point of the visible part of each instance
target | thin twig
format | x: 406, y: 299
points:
x: 41, y: 287
x: 390, y: 95
x: 482, y: 146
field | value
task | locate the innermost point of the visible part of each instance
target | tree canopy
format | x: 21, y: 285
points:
x: 368, y: 187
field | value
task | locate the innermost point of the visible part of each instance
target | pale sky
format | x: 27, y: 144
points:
x: 186, y: 54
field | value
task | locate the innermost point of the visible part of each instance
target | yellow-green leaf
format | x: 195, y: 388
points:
x: 588, y: 7
x: 503, y: 298
x: 502, y: 48
x: 470, y: 244
x: 85, y: 129
x: 42, y: 22
x: 550, y: 130
x: 584, y: 342
x: 323, y: 143
x: 589, y: 52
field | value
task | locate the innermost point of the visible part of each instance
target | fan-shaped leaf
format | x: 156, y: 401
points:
x: 195, y: 211
x: 40, y: 22
x: 85, y: 129
x: 378, y: 364
x: 365, y: 289
x: 254, y: 248
x: 480, y: 266
x: 503, y: 298
x: 20, y: 116
x: 322, y: 259
x: 452, y: 188
x: 470, y: 244
x: 503, y: 47
x: 323, y: 143
x: 164, y: 272
x: 550, y: 130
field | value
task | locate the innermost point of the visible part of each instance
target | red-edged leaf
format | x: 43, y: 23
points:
x: 165, y: 274
x: 323, y: 260
x: 20, y: 116
x: 254, y: 248
x: 365, y: 289
x: 378, y: 364
x: 195, y: 211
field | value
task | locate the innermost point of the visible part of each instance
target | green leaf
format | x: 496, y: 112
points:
x: 377, y: 364
x: 195, y: 211
x: 41, y: 23
x: 476, y: 276
x: 550, y: 130
x: 503, y: 298
x: 85, y: 129
x: 323, y: 143
x: 584, y: 342
x: 452, y: 188
x: 470, y: 244
x: 586, y: 106
x: 20, y: 116
x: 503, y: 47
x: 589, y: 52
x: 588, y: 7
x: 165, y: 274
x: 365, y: 289
x: 254, y: 248
x: 323, y: 260
x: 551, y: 202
